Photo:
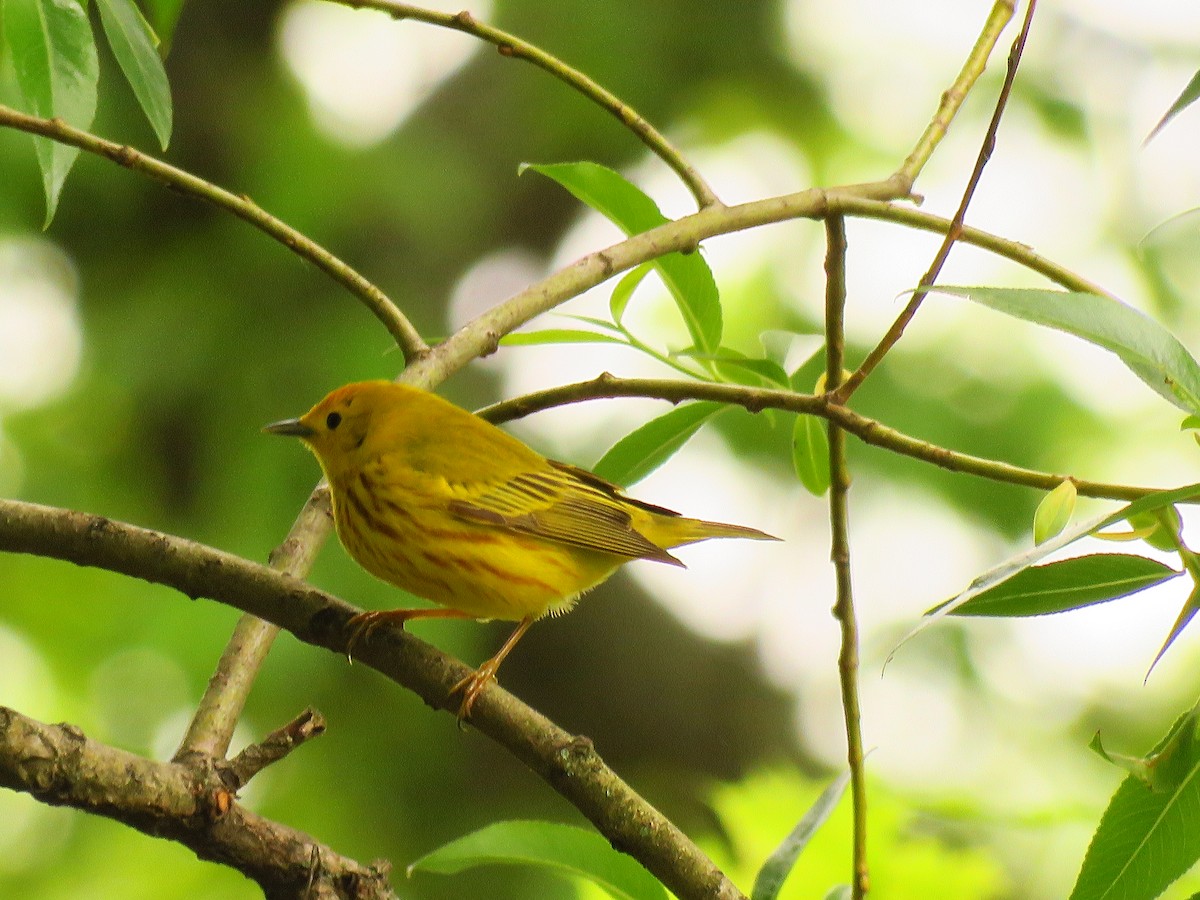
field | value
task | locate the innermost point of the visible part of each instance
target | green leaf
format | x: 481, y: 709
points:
x: 55, y: 60
x: 164, y: 14
x: 133, y: 44
x: 809, y: 372
x: 770, y: 878
x: 547, y: 845
x: 1150, y: 351
x: 1147, y: 837
x: 623, y: 292
x: 1054, y: 512
x: 1189, y: 422
x: 1068, y: 584
x: 687, y: 277
x: 1164, y: 528
x: 1182, y: 102
x: 643, y: 450
x: 557, y: 336
x: 1015, y: 564
x: 599, y: 323
x: 763, y: 371
x: 1190, y: 607
x: 810, y: 453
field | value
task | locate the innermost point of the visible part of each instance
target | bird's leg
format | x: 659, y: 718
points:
x: 473, y: 684
x: 364, y: 623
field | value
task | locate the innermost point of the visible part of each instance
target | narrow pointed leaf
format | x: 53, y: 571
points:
x: 1190, y: 607
x: 54, y: 56
x: 1068, y: 584
x: 1054, y: 512
x: 1147, y: 837
x: 1150, y: 351
x: 599, y: 323
x: 558, y: 336
x: 687, y: 277
x: 810, y: 454
x: 1137, y: 766
x: 1182, y: 102
x: 770, y: 878
x: 734, y: 364
x: 643, y: 450
x: 133, y: 44
x: 1015, y: 564
x: 164, y: 14
x: 1165, y: 528
x: 547, y: 845
x: 623, y: 292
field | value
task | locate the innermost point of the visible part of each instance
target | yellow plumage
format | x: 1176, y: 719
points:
x: 435, y: 500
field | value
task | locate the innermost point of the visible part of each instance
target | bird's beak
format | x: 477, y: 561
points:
x: 290, y: 428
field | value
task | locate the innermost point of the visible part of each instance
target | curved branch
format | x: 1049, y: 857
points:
x: 243, y: 207
x: 867, y: 430
x: 509, y: 45
x: 58, y: 765
x: 481, y: 336
x: 568, y: 763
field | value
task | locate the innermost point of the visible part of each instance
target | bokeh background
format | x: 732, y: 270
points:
x: 144, y: 339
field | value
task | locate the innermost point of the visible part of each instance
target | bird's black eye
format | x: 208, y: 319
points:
x: 333, y: 420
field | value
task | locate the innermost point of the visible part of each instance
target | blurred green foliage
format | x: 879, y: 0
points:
x: 198, y: 329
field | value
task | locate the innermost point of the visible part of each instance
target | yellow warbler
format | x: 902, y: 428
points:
x: 435, y: 500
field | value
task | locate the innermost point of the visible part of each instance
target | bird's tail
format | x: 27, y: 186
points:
x: 682, y: 531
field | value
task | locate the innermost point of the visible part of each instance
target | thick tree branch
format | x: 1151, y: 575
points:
x: 60, y: 766
x: 568, y: 763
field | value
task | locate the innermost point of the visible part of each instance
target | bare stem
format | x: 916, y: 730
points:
x: 953, y: 97
x: 839, y: 526
x: 511, y: 46
x: 956, y: 224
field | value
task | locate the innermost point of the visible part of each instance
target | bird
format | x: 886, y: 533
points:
x: 439, y: 502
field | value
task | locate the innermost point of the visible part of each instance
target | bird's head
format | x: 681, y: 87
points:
x: 339, y: 428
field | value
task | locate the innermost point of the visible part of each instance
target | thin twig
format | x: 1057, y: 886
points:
x: 568, y: 763
x: 867, y: 430
x: 274, y: 747
x: 243, y: 207
x: 953, y: 96
x: 839, y: 526
x: 956, y: 224
x: 513, y: 47
x: 219, y: 710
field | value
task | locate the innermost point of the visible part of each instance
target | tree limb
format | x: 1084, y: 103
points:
x: 60, y: 766
x: 568, y: 763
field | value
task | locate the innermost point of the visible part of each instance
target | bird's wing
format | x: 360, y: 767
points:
x: 567, y: 505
